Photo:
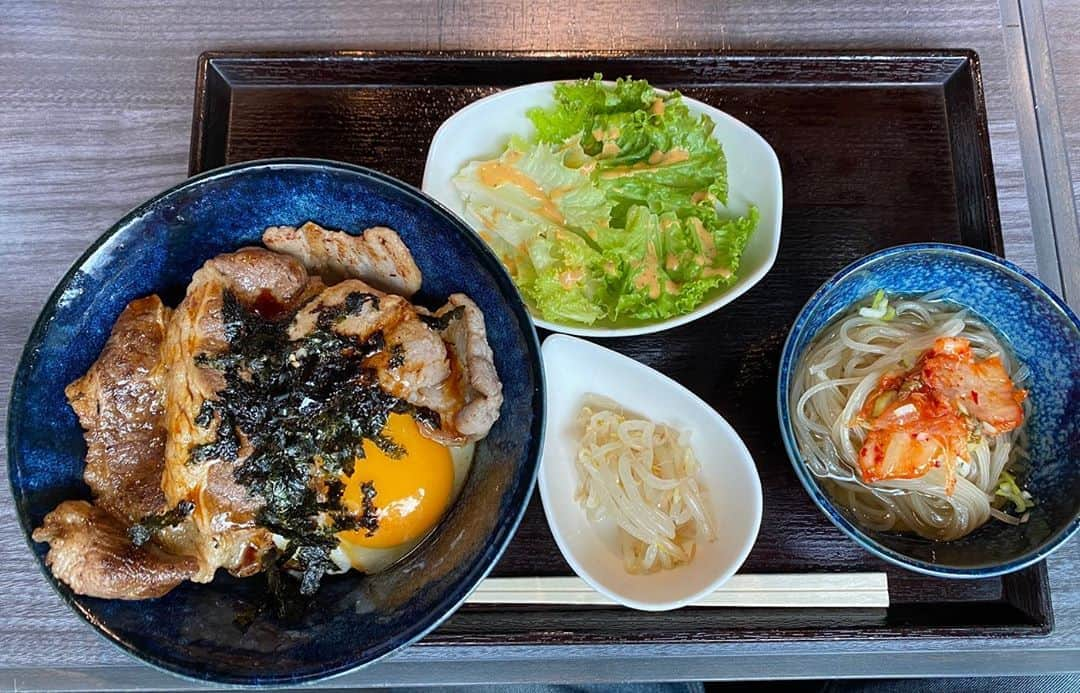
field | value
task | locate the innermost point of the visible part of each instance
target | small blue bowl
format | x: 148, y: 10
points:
x: 1044, y: 335
x: 194, y: 630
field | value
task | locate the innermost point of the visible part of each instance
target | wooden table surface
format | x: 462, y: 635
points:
x: 95, y: 116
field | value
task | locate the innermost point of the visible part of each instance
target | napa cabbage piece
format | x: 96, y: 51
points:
x: 1010, y: 490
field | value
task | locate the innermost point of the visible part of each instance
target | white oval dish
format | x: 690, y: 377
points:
x: 482, y: 129
x: 575, y: 368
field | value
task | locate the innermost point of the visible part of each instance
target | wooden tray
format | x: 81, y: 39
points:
x: 876, y: 150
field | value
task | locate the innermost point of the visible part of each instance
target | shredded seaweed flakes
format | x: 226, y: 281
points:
x: 303, y: 407
x: 144, y: 530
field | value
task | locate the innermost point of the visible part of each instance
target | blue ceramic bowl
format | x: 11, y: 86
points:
x: 1043, y: 333
x: 193, y: 630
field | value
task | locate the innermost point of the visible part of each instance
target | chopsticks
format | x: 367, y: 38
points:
x: 787, y: 590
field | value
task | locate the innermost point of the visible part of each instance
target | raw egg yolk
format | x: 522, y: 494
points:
x: 411, y: 491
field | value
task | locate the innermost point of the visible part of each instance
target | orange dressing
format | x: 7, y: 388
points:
x: 648, y: 277
x: 609, y: 150
x: 495, y: 174
x: 656, y: 160
x: 708, y: 244
x: 570, y: 278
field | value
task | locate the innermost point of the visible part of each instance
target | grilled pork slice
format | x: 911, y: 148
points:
x: 364, y: 310
x: 120, y: 403
x: 446, y: 366
x: 378, y: 256
x: 222, y: 531
x: 472, y: 407
x: 89, y: 549
x: 439, y: 361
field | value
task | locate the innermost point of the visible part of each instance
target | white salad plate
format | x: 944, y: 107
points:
x: 482, y: 129
x: 574, y: 369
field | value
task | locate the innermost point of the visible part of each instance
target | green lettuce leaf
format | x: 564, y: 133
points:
x: 537, y: 211
x: 564, y: 279
x: 611, y: 213
x: 649, y: 150
x: 577, y: 104
x: 666, y: 265
x: 536, y: 188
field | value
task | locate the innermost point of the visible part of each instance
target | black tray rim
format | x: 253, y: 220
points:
x: 1026, y: 591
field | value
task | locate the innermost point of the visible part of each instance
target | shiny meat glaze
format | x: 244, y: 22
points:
x: 90, y: 551
x: 142, y: 403
x: 378, y: 256
x: 224, y: 517
x: 119, y: 403
x: 481, y: 395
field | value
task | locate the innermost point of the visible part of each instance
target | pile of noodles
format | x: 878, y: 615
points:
x: 642, y: 475
x: 842, y: 367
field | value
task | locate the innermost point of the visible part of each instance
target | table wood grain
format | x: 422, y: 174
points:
x: 1062, y: 20
x: 95, y: 114
x: 1059, y: 89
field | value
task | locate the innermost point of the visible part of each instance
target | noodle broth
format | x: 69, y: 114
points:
x: 841, y: 369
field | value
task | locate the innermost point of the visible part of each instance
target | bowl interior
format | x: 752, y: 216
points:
x: 753, y: 179
x: 1043, y: 335
x: 195, y: 630
x: 727, y: 473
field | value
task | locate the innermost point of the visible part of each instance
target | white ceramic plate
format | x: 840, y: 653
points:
x: 482, y: 129
x: 575, y: 368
